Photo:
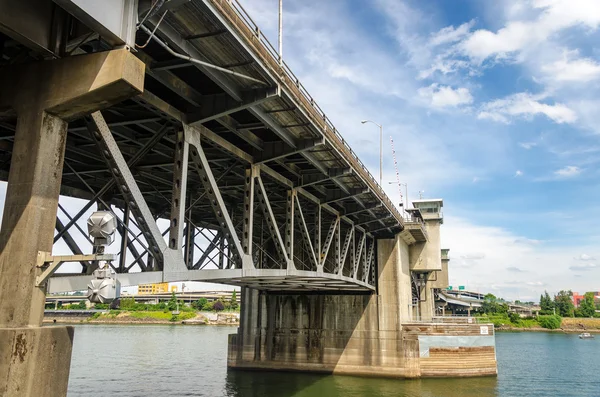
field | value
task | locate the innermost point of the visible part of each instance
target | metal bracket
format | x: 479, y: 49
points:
x: 50, y: 263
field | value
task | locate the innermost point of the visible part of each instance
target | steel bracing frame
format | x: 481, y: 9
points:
x: 215, y: 177
x: 269, y: 242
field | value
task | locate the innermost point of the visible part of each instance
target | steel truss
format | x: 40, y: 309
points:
x: 281, y: 237
x: 216, y: 177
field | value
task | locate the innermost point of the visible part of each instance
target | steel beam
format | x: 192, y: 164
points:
x: 214, y: 106
x: 289, y: 223
x: 338, y: 195
x: 72, y: 244
x: 124, y: 239
x: 131, y: 163
x: 263, y: 200
x: 309, y: 180
x: 127, y: 185
x: 305, y: 233
x: 211, y: 246
x: 178, y: 203
x: 347, y: 241
x: 207, y: 178
x: 328, y: 240
x: 277, y: 150
x: 248, y: 216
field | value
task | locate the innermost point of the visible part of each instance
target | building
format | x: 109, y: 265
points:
x: 146, y: 289
x: 577, y: 298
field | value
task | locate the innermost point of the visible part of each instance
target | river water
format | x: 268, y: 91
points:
x: 156, y: 360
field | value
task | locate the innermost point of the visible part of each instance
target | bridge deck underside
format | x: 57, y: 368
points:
x: 336, y: 210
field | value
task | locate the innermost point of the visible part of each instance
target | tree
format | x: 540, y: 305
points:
x: 200, y: 304
x: 490, y: 304
x: 233, y: 304
x: 218, y: 306
x: 546, y: 304
x: 82, y: 305
x: 587, y: 307
x: 172, y: 303
x: 564, y: 304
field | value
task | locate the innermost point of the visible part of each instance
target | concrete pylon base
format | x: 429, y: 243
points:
x: 35, y: 361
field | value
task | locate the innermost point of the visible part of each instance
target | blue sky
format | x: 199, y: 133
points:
x: 492, y: 106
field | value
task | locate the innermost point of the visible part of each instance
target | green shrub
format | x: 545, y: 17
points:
x: 528, y: 323
x: 233, y: 304
x: 218, y: 306
x: 200, y: 304
x: 101, y: 306
x: 550, y: 322
x: 127, y: 303
x: 514, y: 317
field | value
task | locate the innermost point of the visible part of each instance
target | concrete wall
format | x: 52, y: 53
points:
x: 427, y: 256
x: 442, y: 276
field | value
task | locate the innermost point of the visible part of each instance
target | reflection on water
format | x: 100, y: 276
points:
x: 141, y: 361
x: 239, y: 384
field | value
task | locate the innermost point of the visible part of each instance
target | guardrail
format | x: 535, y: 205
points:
x: 249, y: 23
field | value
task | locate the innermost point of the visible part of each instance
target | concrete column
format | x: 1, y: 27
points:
x: 28, y: 227
x: 29, y: 215
x: 427, y: 304
x: 393, y: 285
x: 35, y: 361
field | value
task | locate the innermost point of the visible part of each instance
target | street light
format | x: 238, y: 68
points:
x: 380, y: 148
x: 405, y: 191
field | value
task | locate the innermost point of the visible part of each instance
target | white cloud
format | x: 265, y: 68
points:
x: 518, y: 173
x: 501, y: 254
x: 525, y: 105
x: 551, y: 17
x: 570, y: 69
x: 568, y: 171
x: 450, y: 34
x: 585, y: 257
x: 440, y: 96
x: 527, y: 145
x: 583, y: 267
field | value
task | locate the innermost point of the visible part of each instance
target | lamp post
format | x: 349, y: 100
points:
x: 380, y: 148
x: 405, y: 192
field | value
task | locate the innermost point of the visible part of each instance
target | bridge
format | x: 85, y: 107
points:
x: 179, y: 117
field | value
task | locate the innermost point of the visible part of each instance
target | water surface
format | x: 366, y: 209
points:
x: 157, y: 360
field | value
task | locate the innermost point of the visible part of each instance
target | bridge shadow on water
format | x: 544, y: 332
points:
x: 295, y: 384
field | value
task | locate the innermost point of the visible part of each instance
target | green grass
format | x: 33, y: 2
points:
x: 162, y: 315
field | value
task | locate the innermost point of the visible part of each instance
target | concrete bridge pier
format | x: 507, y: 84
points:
x: 381, y: 333
x: 354, y: 334
x: 44, y: 96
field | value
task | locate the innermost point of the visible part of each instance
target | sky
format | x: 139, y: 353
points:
x: 491, y: 105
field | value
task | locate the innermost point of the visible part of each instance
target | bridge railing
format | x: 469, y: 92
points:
x: 243, y: 16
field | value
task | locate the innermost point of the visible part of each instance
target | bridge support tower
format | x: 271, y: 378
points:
x: 44, y: 97
x: 380, y: 333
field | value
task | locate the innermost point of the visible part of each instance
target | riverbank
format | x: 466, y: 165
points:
x: 139, y: 317
x: 568, y: 325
